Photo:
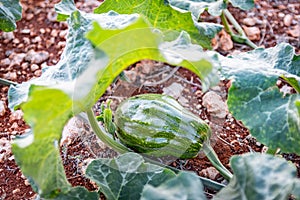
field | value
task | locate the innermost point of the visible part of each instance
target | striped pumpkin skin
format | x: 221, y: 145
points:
x: 157, y: 125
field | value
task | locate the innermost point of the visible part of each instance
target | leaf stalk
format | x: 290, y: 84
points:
x: 213, y: 158
x: 7, y: 82
x: 241, y: 37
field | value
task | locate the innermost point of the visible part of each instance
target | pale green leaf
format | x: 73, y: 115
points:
x: 10, y: 12
x: 76, y: 56
x: 161, y: 16
x: 197, y: 7
x: 254, y: 98
x: 184, y: 186
x: 37, y: 153
x: 142, y: 43
x: 64, y: 9
x: 125, y: 176
x: 259, y: 176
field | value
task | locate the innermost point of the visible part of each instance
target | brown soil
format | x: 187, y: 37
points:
x: 39, y: 31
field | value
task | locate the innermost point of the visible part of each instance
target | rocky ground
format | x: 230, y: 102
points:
x: 39, y: 41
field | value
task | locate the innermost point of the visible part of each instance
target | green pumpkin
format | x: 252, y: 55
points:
x: 159, y: 126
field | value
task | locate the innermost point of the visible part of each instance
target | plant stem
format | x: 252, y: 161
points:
x: 241, y: 38
x: 7, y: 82
x: 213, y: 158
x: 101, y: 133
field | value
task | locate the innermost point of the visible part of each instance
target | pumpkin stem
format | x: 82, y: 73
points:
x: 213, y: 158
x: 103, y: 136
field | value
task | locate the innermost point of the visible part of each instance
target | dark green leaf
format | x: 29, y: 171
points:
x: 208, y: 29
x: 294, y: 68
x: 184, y: 186
x: 10, y: 12
x: 259, y: 176
x: 255, y: 99
x: 161, y: 15
x: 78, y: 193
x: 125, y: 176
x: 243, y: 4
x: 296, y: 189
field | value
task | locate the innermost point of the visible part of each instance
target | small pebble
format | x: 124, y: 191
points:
x: 25, y: 31
x: 25, y: 65
x: 34, y: 67
x: 258, y: 144
x: 8, y: 36
x: 215, y: 105
x: 38, y: 73
x: 281, y: 15
x: 63, y: 34
x: 54, y: 33
x: 14, y: 125
x: 16, y: 115
x: 11, y: 76
x: 252, y: 32
x: 42, y: 31
x: 249, y: 21
x: 5, y: 62
x: 287, y: 20
x: 16, y: 41
x: 2, y: 108
x: 29, y: 16
x: 16, y: 191
x: 37, y: 39
x: 37, y: 57
x: 210, y: 173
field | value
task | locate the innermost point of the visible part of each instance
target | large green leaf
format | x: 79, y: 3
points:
x: 125, y: 176
x: 10, y: 12
x: 78, y: 193
x: 254, y: 98
x: 74, y: 60
x: 124, y: 52
x: 259, y: 176
x: 214, y: 7
x: 162, y: 16
x: 184, y: 186
x: 38, y: 154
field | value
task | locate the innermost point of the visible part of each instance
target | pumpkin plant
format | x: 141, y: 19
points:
x: 99, y: 47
